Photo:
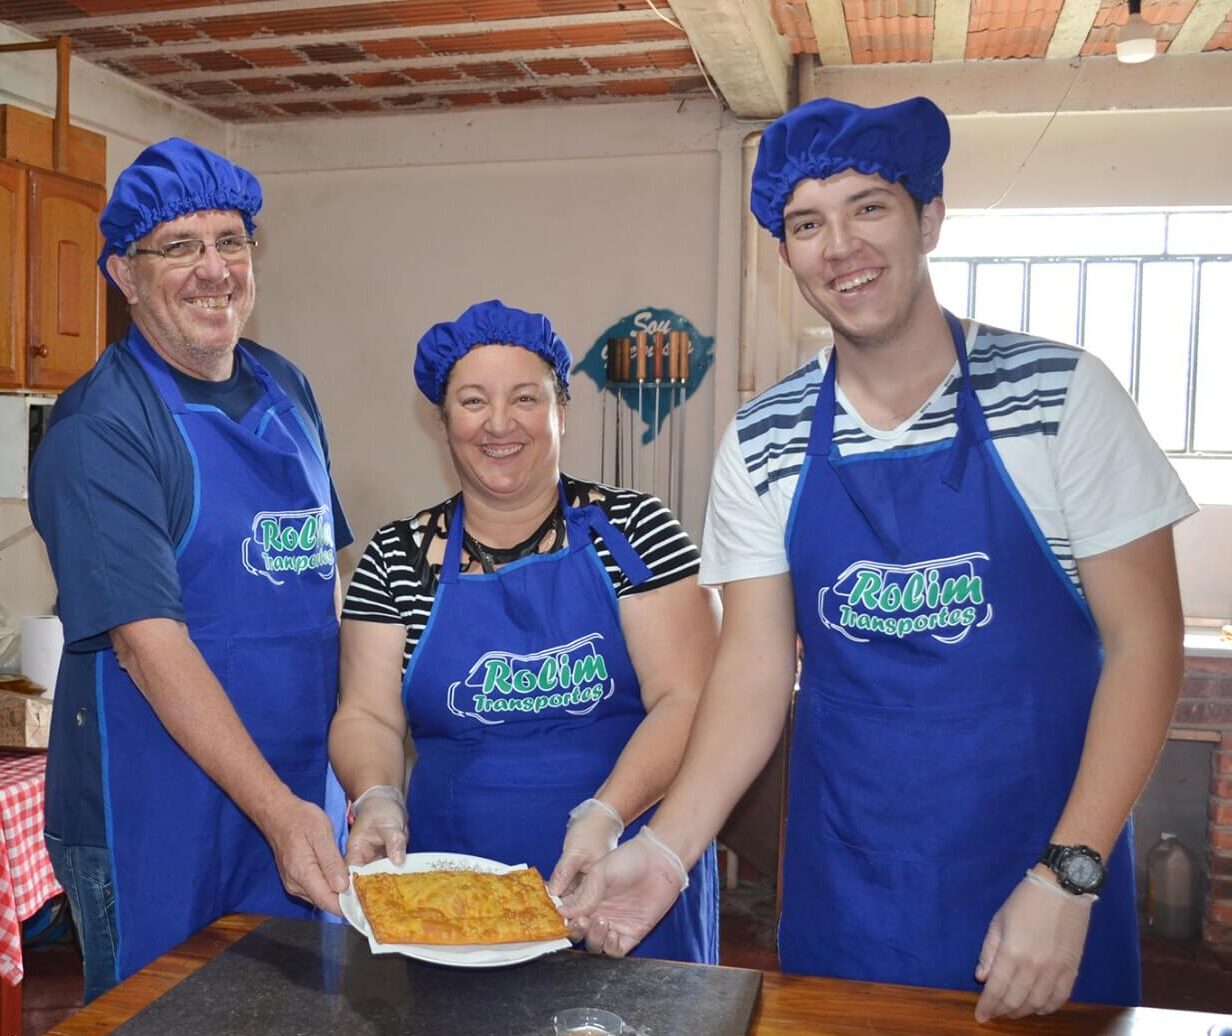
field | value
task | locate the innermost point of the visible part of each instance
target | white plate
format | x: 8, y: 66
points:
x: 472, y: 956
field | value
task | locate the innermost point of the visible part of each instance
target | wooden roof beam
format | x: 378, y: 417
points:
x: 742, y: 52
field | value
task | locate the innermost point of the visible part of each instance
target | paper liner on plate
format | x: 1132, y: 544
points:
x: 470, y: 956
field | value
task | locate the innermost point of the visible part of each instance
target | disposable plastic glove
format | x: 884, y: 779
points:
x: 1031, y: 953
x: 625, y: 894
x: 593, y: 830
x: 379, y: 826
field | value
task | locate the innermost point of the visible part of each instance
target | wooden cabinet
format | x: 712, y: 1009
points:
x: 12, y: 274
x: 51, y: 293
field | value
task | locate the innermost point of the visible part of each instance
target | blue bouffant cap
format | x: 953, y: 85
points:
x: 168, y: 180
x: 486, y: 323
x: 903, y: 143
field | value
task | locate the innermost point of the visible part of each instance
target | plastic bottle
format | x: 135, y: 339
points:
x: 1172, y: 889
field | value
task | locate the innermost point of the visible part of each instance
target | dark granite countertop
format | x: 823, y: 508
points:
x: 304, y: 978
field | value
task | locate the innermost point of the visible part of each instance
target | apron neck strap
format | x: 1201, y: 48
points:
x: 159, y: 372
x: 584, y: 520
x: 579, y: 521
x: 453, y: 545
x: 969, y: 415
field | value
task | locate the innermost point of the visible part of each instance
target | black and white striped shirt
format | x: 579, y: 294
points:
x: 396, y: 582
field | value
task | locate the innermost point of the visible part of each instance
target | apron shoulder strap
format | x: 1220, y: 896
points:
x: 582, y: 520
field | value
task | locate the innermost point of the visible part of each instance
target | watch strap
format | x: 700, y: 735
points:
x: 1055, y: 856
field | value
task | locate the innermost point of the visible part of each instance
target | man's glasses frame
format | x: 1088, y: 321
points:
x: 232, y: 248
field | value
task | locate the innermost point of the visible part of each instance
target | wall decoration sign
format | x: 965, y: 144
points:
x: 646, y: 365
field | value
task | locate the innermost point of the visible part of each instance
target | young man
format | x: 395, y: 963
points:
x: 183, y: 491
x: 970, y: 532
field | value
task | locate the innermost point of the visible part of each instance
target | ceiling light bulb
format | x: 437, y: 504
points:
x: 1135, y: 41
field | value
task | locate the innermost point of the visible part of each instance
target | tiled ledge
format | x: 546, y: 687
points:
x: 1208, y: 645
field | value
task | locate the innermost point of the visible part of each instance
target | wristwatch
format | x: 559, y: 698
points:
x: 1079, y: 868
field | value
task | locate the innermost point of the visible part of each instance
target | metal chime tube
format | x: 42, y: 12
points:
x: 607, y: 380
x: 641, y: 384
x: 614, y: 365
x: 630, y: 369
x: 673, y: 360
x: 682, y: 368
x: 657, y: 370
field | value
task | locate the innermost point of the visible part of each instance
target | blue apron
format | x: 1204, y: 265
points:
x: 521, y: 696
x: 256, y: 571
x: 948, y: 672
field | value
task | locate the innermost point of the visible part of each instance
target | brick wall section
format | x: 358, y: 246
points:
x: 1217, y: 925
x: 1206, y: 704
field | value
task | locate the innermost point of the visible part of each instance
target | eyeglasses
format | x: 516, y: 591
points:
x: 192, y: 250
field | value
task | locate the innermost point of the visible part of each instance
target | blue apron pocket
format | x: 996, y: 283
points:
x: 906, y: 830
x: 284, y: 689
x: 922, y: 782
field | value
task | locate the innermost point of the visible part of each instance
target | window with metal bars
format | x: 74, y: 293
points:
x: 1149, y: 293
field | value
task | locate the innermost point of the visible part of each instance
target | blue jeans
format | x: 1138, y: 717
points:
x: 85, y: 873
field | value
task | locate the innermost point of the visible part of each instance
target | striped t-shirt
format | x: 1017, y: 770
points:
x: 1069, y: 435
x: 397, y: 577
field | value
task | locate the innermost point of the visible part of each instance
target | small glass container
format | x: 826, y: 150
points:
x: 588, y: 1021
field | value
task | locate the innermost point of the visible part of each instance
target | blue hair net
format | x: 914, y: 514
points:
x: 903, y: 143
x: 486, y: 323
x: 168, y: 180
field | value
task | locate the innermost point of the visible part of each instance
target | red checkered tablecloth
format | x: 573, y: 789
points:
x: 26, y: 878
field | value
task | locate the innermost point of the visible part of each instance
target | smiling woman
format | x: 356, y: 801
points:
x: 504, y: 418
x: 543, y: 639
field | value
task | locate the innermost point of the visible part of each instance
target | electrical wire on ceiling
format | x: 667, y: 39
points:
x: 702, y: 68
x: 1034, y: 147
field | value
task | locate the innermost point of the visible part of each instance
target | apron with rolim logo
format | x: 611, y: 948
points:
x: 256, y: 571
x: 949, y: 669
x: 520, y: 696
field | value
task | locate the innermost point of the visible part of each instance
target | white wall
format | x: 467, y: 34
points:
x: 374, y: 229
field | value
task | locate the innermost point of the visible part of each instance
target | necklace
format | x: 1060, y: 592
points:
x: 490, y: 557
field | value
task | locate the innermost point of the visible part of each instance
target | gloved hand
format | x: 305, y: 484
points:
x: 1031, y: 953
x: 593, y: 830
x: 379, y: 826
x: 625, y: 894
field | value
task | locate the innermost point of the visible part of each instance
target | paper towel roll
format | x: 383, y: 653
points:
x: 42, y: 640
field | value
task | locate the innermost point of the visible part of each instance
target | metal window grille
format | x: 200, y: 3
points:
x: 1160, y: 362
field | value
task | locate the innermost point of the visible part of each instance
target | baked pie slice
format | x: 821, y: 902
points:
x: 459, y: 907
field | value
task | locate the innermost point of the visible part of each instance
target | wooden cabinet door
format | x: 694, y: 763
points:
x: 65, y: 287
x: 12, y: 275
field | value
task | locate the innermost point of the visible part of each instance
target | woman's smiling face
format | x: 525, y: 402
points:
x: 503, y: 423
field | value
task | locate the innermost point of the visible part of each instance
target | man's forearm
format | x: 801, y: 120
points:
x: 1129, y: 721
x: 740, y: 717
x: 1134, y: 598
x: 733, y: 737
x: 171, y: 673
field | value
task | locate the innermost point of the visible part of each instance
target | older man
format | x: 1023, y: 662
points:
x: 970, y: 532
x: 183, y: 491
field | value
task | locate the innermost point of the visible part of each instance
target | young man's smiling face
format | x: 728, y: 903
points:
x: 858, y: 248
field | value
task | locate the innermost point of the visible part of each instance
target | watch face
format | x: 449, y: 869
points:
x: 1082, y: 871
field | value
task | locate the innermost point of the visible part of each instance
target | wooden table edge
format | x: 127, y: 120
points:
x: 137, y: 992
x: 784, y: 1003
